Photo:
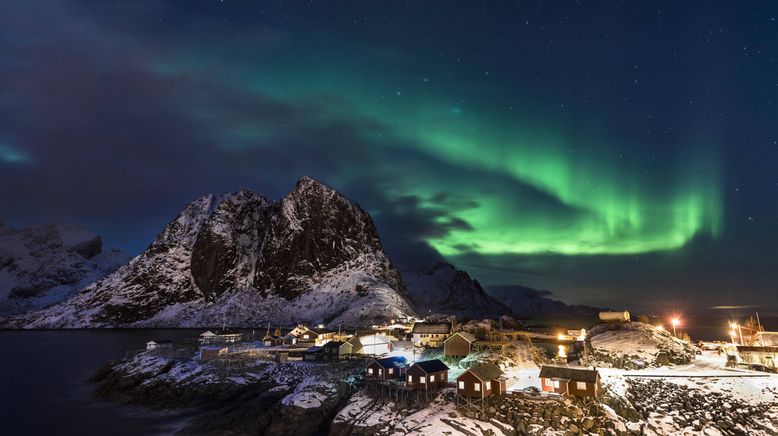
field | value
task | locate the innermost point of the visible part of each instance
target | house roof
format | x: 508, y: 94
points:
x: 333, y: 344
x: 393, y: 362
x: 569, y: 373
x: 208, y: 333
x: 432, y: 328
x: 434, y: 365
x: 466, y: 336
x: 314, y: 349
x: 485, y: 372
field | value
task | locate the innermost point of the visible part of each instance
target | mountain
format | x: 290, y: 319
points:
x: 445, y: 289
x: 526, y: 302
x: 46, y: 264
x: 243, y: 260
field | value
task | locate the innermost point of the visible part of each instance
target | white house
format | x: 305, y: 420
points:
x: 153, y: 345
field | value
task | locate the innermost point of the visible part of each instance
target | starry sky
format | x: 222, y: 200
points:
x: 613, y: 153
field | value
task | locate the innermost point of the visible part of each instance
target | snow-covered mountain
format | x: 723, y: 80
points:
x: 526, y: 302
x: 46, y: 264
x: 445, y: 289
x: 240, y: 259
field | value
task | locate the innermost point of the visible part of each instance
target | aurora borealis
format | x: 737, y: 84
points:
x: 615, y: 154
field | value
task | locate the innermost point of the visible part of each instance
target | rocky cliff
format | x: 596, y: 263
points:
x: 241, y: 259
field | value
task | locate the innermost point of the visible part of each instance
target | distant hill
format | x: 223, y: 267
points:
x: 526, y: 302
x: 46, y: 264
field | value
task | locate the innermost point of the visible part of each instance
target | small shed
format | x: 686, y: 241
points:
x: 458, y: 344
x: 481, y: 381
x: 568, y: 380
x: 427, y: 374
x: 337, y: 350
x: 388, y: 368
x: 158, y: 344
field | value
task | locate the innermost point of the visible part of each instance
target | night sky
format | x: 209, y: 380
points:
x: 613, y: 153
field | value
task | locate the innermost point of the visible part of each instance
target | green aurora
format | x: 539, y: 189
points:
x: 601, y: 202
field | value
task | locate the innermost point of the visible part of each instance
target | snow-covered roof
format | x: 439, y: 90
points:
x: 437, y: 328
x: 485, y: 372
x: 569, y: 373
x: 393, y: 362
x: 469, y: 337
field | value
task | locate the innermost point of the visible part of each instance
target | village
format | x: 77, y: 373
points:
x: 502, y: 377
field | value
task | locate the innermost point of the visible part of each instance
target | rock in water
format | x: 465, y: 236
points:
x: 243, y: 260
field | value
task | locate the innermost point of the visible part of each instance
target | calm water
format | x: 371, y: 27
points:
x: 45, y: 389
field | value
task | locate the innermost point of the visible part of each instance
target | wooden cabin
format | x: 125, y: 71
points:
x: 303, y: 336
x: 313, y: 354
x: 388, y: 368
x: 337, y: 350
x: 272, y: 341
x: 481, y: 381
x: 430, y: 334
x: 158, y: 344
x: 427, y: 374
x: 572, y: 381
x: 458, y: 344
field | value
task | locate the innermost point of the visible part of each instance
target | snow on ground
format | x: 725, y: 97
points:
x: 311, y: 392
x: 440, y: 417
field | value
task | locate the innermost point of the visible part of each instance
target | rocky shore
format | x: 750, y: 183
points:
x: 251, y: 397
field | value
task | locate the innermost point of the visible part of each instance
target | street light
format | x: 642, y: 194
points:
x: 675, y: 323
x: 735, y: 326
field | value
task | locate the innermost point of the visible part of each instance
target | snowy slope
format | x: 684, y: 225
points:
x: 445, y: 289
x: 243, y: 260
x: 43, y: 265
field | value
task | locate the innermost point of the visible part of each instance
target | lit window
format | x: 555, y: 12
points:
x: 391, y: 370
x: 556, y: 384
x: 410, y: 379
x: 423, y: 380
x: 432, y: 379
x: 461, y: 385
x: 380, y: 372
x: 305, y: 336
x: 370, y: 371
x: 477, y: 387
x: 488, y: 386
x: 581, y: 386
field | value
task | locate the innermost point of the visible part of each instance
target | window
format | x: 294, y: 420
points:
x: 380, y: 372
x: 488, y: 386
x: 391, y: 370
x: 370, y: 371
x: 305, y: 336
x: 556, y: 384
x: 410, y: 379
x: 423, y: 380
x: 432, y: 379
x: 461, y: 385
x: 581, y: 386
x: 477, y: 387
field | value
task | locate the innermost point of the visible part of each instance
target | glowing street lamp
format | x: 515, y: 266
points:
x: 660, y: 327
x: 675, y: 323
x: 735, y: 326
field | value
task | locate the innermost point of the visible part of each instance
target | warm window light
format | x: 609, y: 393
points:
x: 560, y: 336
x: 660, y: 327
